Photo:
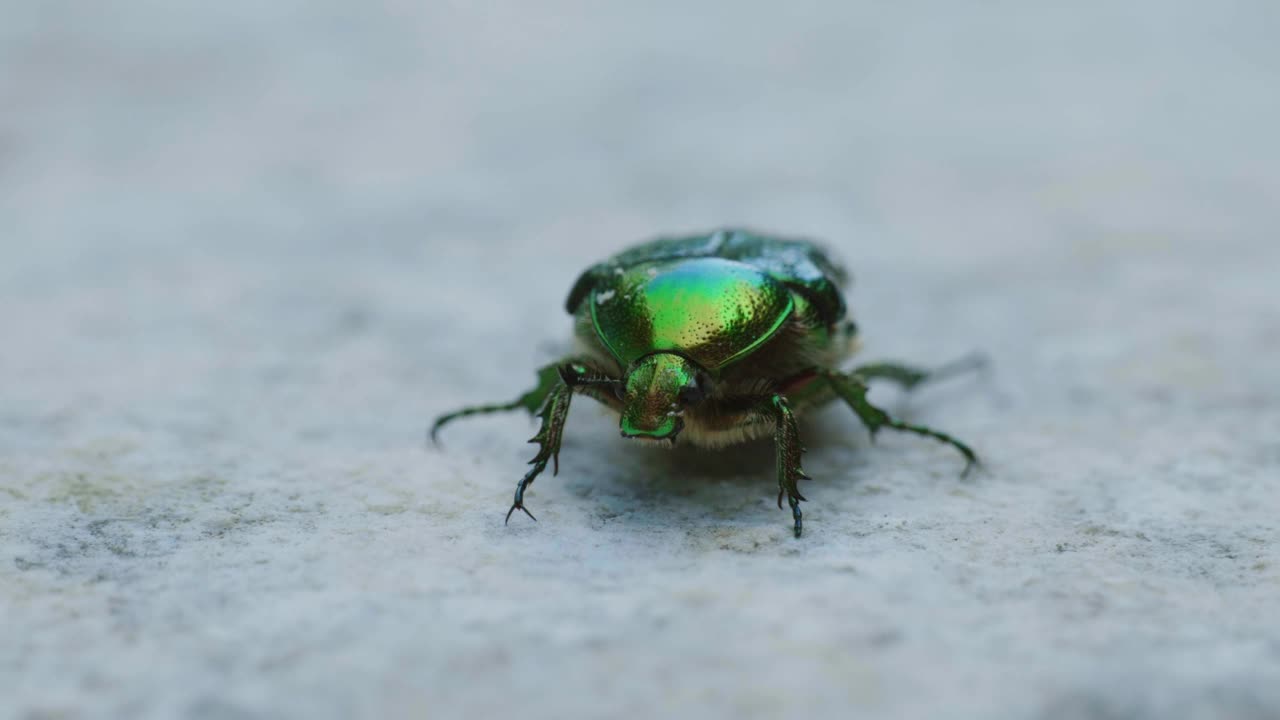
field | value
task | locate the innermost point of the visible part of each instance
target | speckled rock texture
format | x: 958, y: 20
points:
x: 248, y: 250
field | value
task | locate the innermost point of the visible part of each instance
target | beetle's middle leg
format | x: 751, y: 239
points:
x: 788, y: 450
x: 852, y: 389
x: 532, y: 401
x: 909, y: 377
x: 576, y: 373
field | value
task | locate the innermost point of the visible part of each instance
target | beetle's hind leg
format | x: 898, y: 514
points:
x: 554, y: 413
x: 909, y: 377
x: 788, y: 449
x: 852, y: 389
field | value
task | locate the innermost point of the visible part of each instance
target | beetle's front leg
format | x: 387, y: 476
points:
x: 853, y: 390
x: 554, y: 412
x: 788, y: 450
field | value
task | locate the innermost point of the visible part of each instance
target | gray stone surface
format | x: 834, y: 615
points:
x: 248, y: 249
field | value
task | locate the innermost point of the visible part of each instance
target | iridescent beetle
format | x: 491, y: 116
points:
x: 717, y: 339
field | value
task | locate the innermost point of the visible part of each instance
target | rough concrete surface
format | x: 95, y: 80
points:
x: 248, y: 249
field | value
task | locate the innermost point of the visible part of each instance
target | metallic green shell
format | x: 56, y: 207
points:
x: 799, y: 264
x: 708, y: 309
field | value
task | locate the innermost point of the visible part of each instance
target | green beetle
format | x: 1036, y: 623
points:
x: 717, y: 339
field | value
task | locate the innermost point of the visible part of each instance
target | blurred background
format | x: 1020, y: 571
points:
x: 248, y: 249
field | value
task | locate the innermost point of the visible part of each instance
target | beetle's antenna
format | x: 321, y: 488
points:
x: 577, y: 376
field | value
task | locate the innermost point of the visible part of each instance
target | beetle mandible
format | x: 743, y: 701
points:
x: 716, y: 338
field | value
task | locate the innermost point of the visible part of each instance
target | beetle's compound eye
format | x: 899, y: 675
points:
x: 695, y: 392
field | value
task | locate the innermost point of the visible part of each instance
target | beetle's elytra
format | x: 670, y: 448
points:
x: 712, y: 339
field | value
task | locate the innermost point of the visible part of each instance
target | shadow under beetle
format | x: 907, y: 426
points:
x: 716, y: 339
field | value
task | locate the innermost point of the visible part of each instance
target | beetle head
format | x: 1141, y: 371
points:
x: 656, y: 392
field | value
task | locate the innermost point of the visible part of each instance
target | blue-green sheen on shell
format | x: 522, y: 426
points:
x: 799, y: 264
x: 711, y: 310
x: 744, y: 309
